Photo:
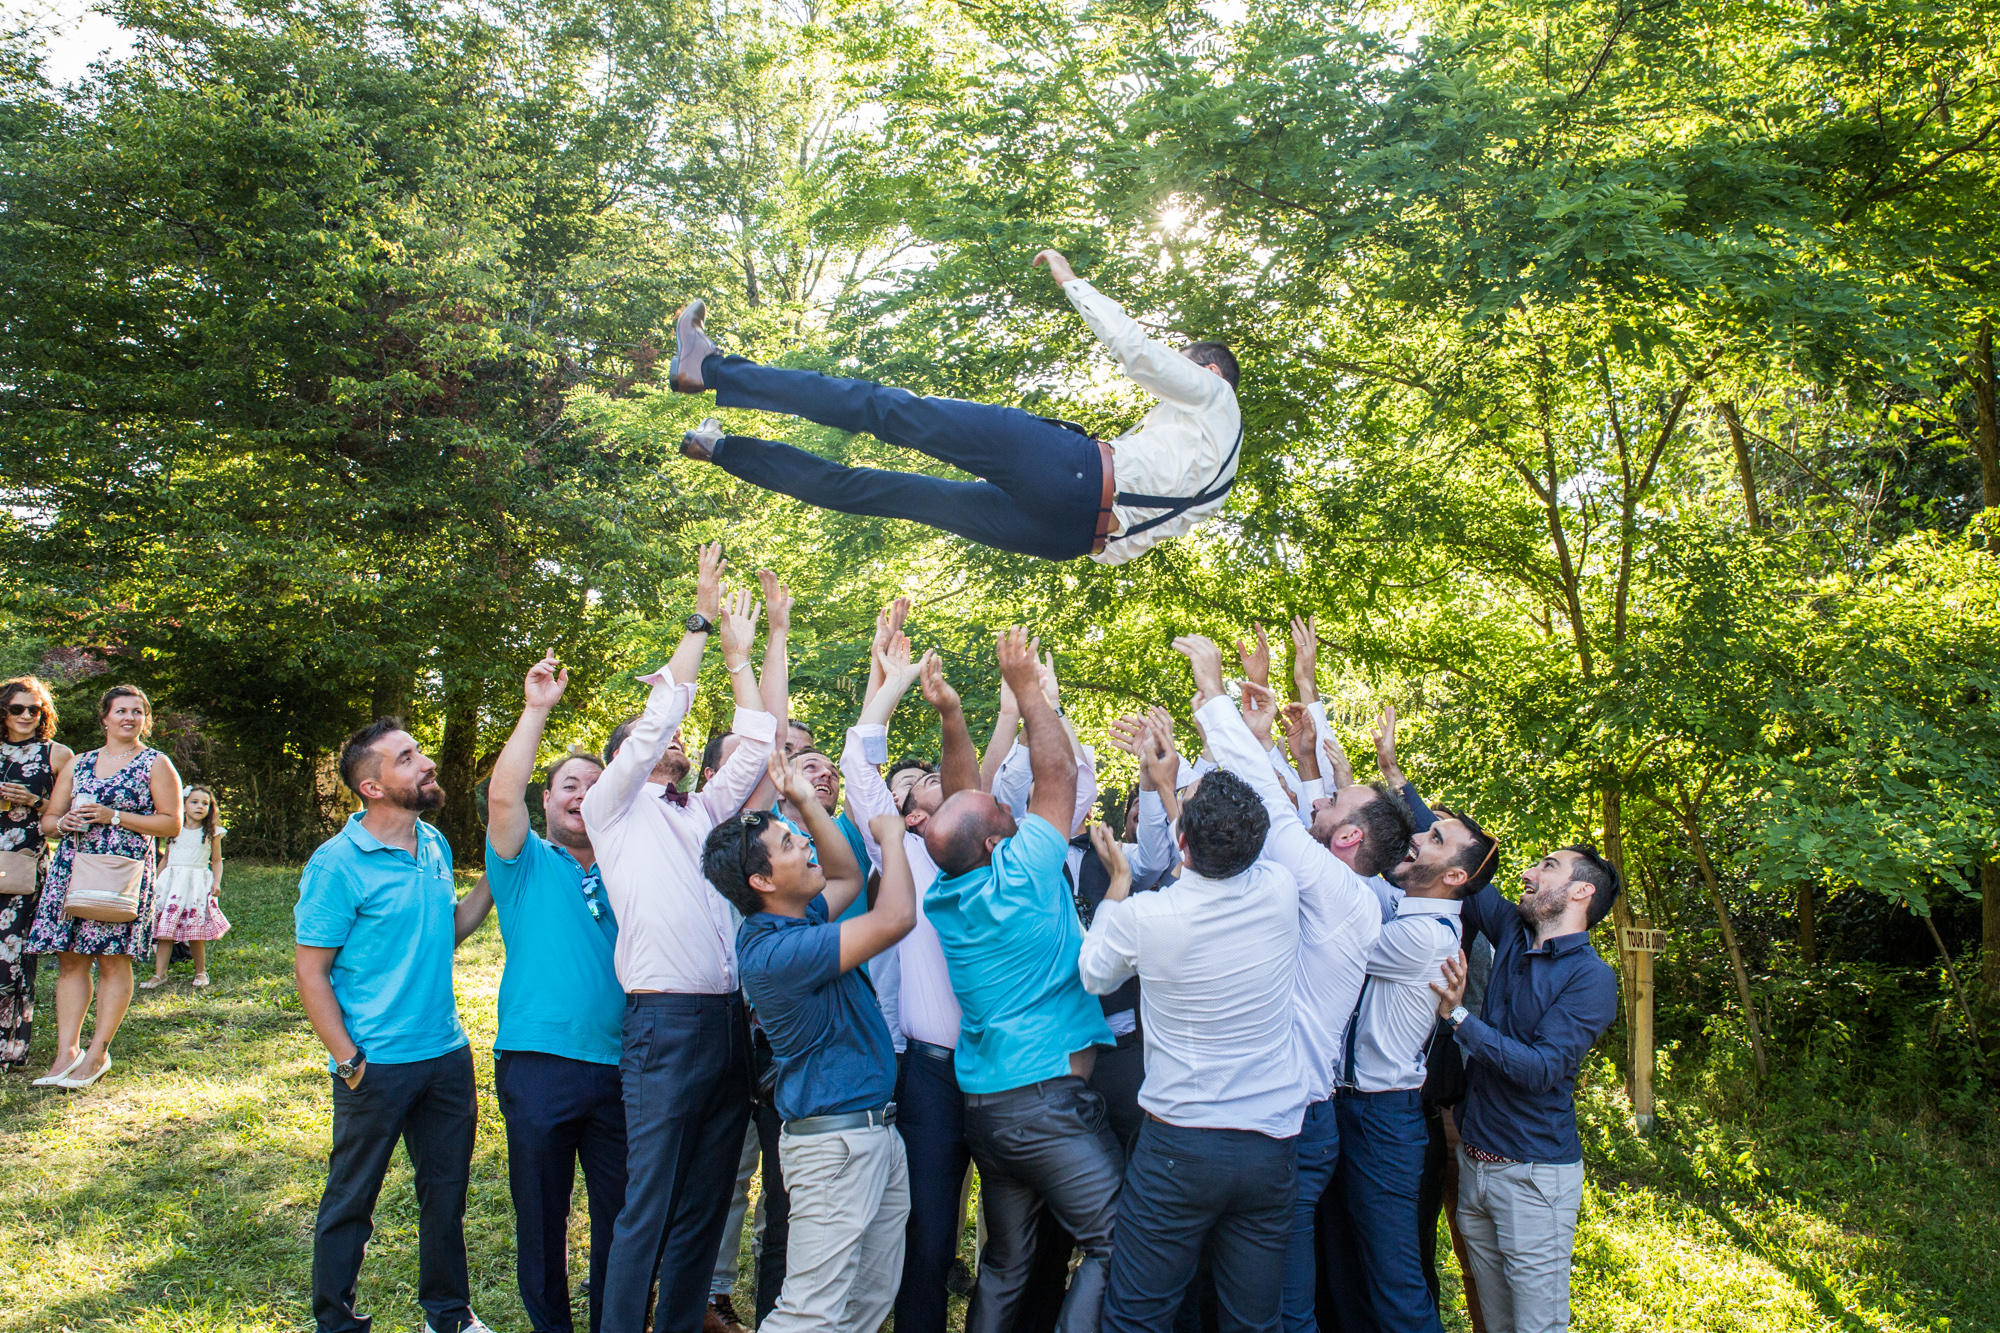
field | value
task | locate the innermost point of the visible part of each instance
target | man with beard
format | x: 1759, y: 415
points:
x: 376, y: 926
x: 1520, y: 1162
x: 561, y: 1012
x: 686, y: 1064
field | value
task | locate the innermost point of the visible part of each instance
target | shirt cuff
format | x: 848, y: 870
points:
x: 1310, y: 790
x: 754, y: 724
x: 1471, y: 1034
x: 874, y: 741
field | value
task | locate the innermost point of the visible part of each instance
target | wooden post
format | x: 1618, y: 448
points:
x: 1642, y: 942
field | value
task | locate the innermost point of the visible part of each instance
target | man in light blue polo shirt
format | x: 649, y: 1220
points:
x: 1029, y: 1031
x: 376, y: 923
x: 562, y: 1013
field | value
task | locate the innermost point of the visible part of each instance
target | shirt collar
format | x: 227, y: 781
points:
x: 357, y: 833
x: 1408, y: 906
x: 1557, y: 945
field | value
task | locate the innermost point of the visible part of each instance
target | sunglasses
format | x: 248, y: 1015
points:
x: 752, y: 827
x: 24, y: 710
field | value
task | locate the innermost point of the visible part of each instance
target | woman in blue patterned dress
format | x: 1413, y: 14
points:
x: 30, y: 761
x: 116, y: 800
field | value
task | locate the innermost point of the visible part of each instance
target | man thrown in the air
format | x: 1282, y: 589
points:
x: 1048, y: 489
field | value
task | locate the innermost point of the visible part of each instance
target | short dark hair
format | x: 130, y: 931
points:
x: 1386, y: 830
x: 355, y: 753
x: 729, y: 857
x: 711, y: 753
x: 35, y: 688
x: 1602, y: 877
x: 1481, y: 859
x: 907, y: 761
x: 618, y: 737
x: 558, y: 764
x: 1217, y: 355
x: 1225, y: 824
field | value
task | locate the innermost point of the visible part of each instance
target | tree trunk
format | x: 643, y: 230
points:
x: 1986, y: 439
x: 1698, y: 846
x: 1808, y: 928
x: 1951, y: 971
x: 458, y: 759
x: 393, y: 687
x: 1989, y: 921
x: 1621, y: 917
x: 1744, y: 472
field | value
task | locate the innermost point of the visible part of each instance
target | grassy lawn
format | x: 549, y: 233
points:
x: 178, y: 1194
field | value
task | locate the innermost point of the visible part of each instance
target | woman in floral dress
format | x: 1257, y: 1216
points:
x: 30, y: 761
x: 114, y: 800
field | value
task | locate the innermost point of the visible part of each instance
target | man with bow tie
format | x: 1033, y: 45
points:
x: 686, y: 1065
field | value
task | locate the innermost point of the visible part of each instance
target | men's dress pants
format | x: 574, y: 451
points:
x: 560, y: 1111
x: 1382, y: 1143
x: 1233, y: 1190
x: 775, y: 1238
x: 1519, y: 1224
x: 1318, y: 1153
x: 1040, y: 485
x: 730, y: 1252
x: 1438, y: 1197
x: 850, y: 1201
x: 930, y: 1115
x: 686, y: 1081
x: 1044, y: 1144
x: 431, y: 1105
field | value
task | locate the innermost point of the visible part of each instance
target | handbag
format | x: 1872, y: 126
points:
x: 104, y: 888
x: 17, y: 872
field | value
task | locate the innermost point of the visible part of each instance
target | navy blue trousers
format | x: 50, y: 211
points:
x: 1318, y: 1156
x: 1041, y: 482
x: 560, y: 1111
x: 432, y: 1106
x: 1377, y: 1278
x: 686, y: 1082
x: 1230, y: 1189
x: 930, y: 1115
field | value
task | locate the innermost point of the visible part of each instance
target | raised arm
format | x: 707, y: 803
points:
x: 685, y: 665
x: 507, y: 825
x: 1392, y: 772
x: 1050, y: 752
x: 895, y: 909
x: 673, y: 694
x: 958, y: 762
x: 1110, y: 950
x: 1006, y: 725
x: 1155, y: 367
x: 845, y: 876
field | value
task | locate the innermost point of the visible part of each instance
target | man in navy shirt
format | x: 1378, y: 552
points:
x: 1520, y: 1162
x: 835, y: 1069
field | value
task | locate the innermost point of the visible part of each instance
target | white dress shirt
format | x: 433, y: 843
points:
x: 675, y: 932
x: 926, y: 1008
x: 1188, y: 444
x: 1153, y: 852
x: 1216, y: 962
x: 1399, y: 1009
x: 1015, y: 780
x: 1338, y: 917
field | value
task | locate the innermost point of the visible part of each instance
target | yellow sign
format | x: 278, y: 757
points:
x: 1637, y: 939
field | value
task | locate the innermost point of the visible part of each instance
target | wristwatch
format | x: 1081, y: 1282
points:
x: 699, y: 624
x: 1457, y: 1016
x: 353, y: 1062
x: 117, y: 819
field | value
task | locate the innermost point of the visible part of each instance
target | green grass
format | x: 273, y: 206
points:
x: 178, y: 1194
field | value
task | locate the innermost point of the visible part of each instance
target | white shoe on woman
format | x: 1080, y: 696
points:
x: 51, y: 1080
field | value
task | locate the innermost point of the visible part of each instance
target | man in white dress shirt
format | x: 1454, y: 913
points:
x: 686, y: 1067
x: 1217, y: 954
x: 1048, y: 489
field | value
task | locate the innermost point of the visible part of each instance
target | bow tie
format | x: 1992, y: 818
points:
x: 672, y: 797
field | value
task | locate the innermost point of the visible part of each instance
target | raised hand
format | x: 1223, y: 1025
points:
x: 708, y: 580
x: 1305, y: 657
x: 1257, y: 662
x: 1105, y: 843
x: 737, y: 623
x: 1385, y: 746
x: 886, y: 828
x: 1059, y: 268
x: 1157, y: 755
x: 1298, y: 729
x: 1046, y: 674
x: 545, y: 684
x: 777, y: 604
x: 1260, y: 711
x: 1337, y: 762
x: 898, y: 671
x: 938, y: 693
x: 888, y: 621
x: 1020, y: 666
x: 1125, y: 733
x: 788, y: 776
x: 1206, y: 659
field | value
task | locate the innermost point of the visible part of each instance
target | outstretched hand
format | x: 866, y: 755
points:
x: 1112, y: 856
x: 737, y: 624
x: 1158, y: 758
x: 938, y: 693
x: 1256, y: 662
x: 547, y: 679
x: 1019, y: 664
x: 898, y: 671
x: 788, y: 776
x: 708, y: 580
x: 1260, y: 711
x: 777, y: 604
x: 1206, y: 659
x: 1385, y: 746
x: 888, y: 621
x: 1059, y: 268
x: 1305, y: 657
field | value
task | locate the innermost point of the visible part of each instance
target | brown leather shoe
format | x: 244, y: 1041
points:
x: 691, y: 347
x: 699, y: 444
x: 721, y: 1317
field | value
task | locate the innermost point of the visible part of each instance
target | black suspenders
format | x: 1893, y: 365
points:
x: 1175, y: 505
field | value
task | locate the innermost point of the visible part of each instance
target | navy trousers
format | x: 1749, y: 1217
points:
x: 1318, y: 1156
x: 560, y: 1111
x: 686, y: 1082
x: 774, y: 1242
x: 1040, y: 482
x: 1378, y: 1280
x: 1230, y: 1189
x: 432, y: 1106
x: 930, y: 1115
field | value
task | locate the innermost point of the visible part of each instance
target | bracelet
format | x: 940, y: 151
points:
x: 744, y: 665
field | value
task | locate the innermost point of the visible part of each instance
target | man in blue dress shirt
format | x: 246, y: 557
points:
x: 1520, y: 1165
x: 835, y: 1070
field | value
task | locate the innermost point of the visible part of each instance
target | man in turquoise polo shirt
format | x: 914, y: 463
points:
x: 562, y: 1012
x: 377, y: 922
x: 1029, y: 1031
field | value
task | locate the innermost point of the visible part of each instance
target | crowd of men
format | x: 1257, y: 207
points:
x: 1220, y: 1074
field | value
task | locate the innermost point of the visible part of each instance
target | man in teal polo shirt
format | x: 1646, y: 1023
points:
x: 1029, y: 1031
x: 562, y: 1013
x: 377, y: 922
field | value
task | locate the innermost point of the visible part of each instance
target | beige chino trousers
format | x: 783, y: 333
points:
x: 850, y: 1193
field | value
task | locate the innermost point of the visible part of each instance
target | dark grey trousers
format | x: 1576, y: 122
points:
x: 1048, y: 1144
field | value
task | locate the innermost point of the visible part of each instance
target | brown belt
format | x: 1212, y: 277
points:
x: 1104, y: 501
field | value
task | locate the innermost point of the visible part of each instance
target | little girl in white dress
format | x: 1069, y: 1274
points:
x: 186, y: 894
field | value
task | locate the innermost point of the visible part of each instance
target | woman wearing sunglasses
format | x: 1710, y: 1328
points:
x: 30, y: 760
